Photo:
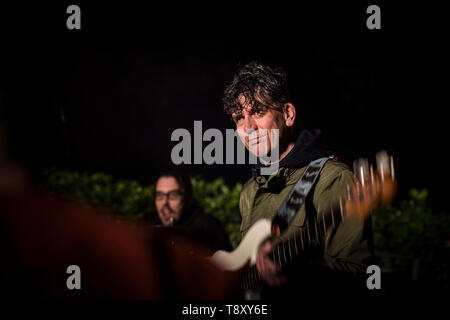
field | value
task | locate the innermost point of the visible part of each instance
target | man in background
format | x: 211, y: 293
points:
x: 177, y: 208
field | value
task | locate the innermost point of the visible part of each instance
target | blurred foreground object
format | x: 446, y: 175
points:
x: 40, y: 237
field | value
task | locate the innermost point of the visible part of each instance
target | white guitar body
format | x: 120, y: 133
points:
x: 247, y: 250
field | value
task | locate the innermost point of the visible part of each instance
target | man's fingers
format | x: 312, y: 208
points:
x: 263, y: 253
x: 266, y: 267
x: 269, y: 271
x: 260, y: 264
x: 266, y: 248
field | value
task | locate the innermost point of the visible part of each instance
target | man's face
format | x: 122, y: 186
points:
x: 255, y: 128
x: 168, y: 200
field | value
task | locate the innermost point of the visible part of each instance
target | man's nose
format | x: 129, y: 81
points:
x: 166, y: 200
x: 249, y: 123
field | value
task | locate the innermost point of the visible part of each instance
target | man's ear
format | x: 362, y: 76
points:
x: 289, y: 114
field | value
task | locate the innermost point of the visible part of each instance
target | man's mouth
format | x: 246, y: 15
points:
x: 254, y: 141
x: 167, y: 214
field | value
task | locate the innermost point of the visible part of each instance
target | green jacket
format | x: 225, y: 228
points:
x: 344, y: 249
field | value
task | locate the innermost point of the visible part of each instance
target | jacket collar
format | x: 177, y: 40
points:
x: 308, y: 147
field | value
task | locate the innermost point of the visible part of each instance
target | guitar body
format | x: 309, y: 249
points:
x: 247, y: 250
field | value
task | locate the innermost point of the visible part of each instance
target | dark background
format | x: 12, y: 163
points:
x: 133, y: 74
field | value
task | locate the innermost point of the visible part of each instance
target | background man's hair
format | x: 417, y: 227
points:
x: 261, y: 85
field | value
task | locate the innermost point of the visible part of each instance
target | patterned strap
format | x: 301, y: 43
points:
x: 298, y: 194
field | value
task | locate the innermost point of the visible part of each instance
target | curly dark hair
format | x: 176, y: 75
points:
x: 262, y: 87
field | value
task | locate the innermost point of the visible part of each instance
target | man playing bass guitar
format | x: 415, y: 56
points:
x: 335, y: 265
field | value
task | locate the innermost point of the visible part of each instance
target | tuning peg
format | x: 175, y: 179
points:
x: 385, y: 167
x: 372, y: 175
x: 392, y: 167
x: 361, y: 170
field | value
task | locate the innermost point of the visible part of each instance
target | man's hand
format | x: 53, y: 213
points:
x: 267, y: 269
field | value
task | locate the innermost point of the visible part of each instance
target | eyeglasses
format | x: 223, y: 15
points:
x: 171, y: 195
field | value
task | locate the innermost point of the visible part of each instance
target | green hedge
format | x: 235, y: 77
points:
x: 409, y: 229
x: 127, y: 199
x: 130, y: 201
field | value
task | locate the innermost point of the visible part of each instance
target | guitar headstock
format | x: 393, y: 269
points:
x: 370, y: 187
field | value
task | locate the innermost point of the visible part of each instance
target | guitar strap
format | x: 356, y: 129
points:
x: 297, y: 196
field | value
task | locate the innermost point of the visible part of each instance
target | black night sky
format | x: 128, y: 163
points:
x: 133, y: 74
